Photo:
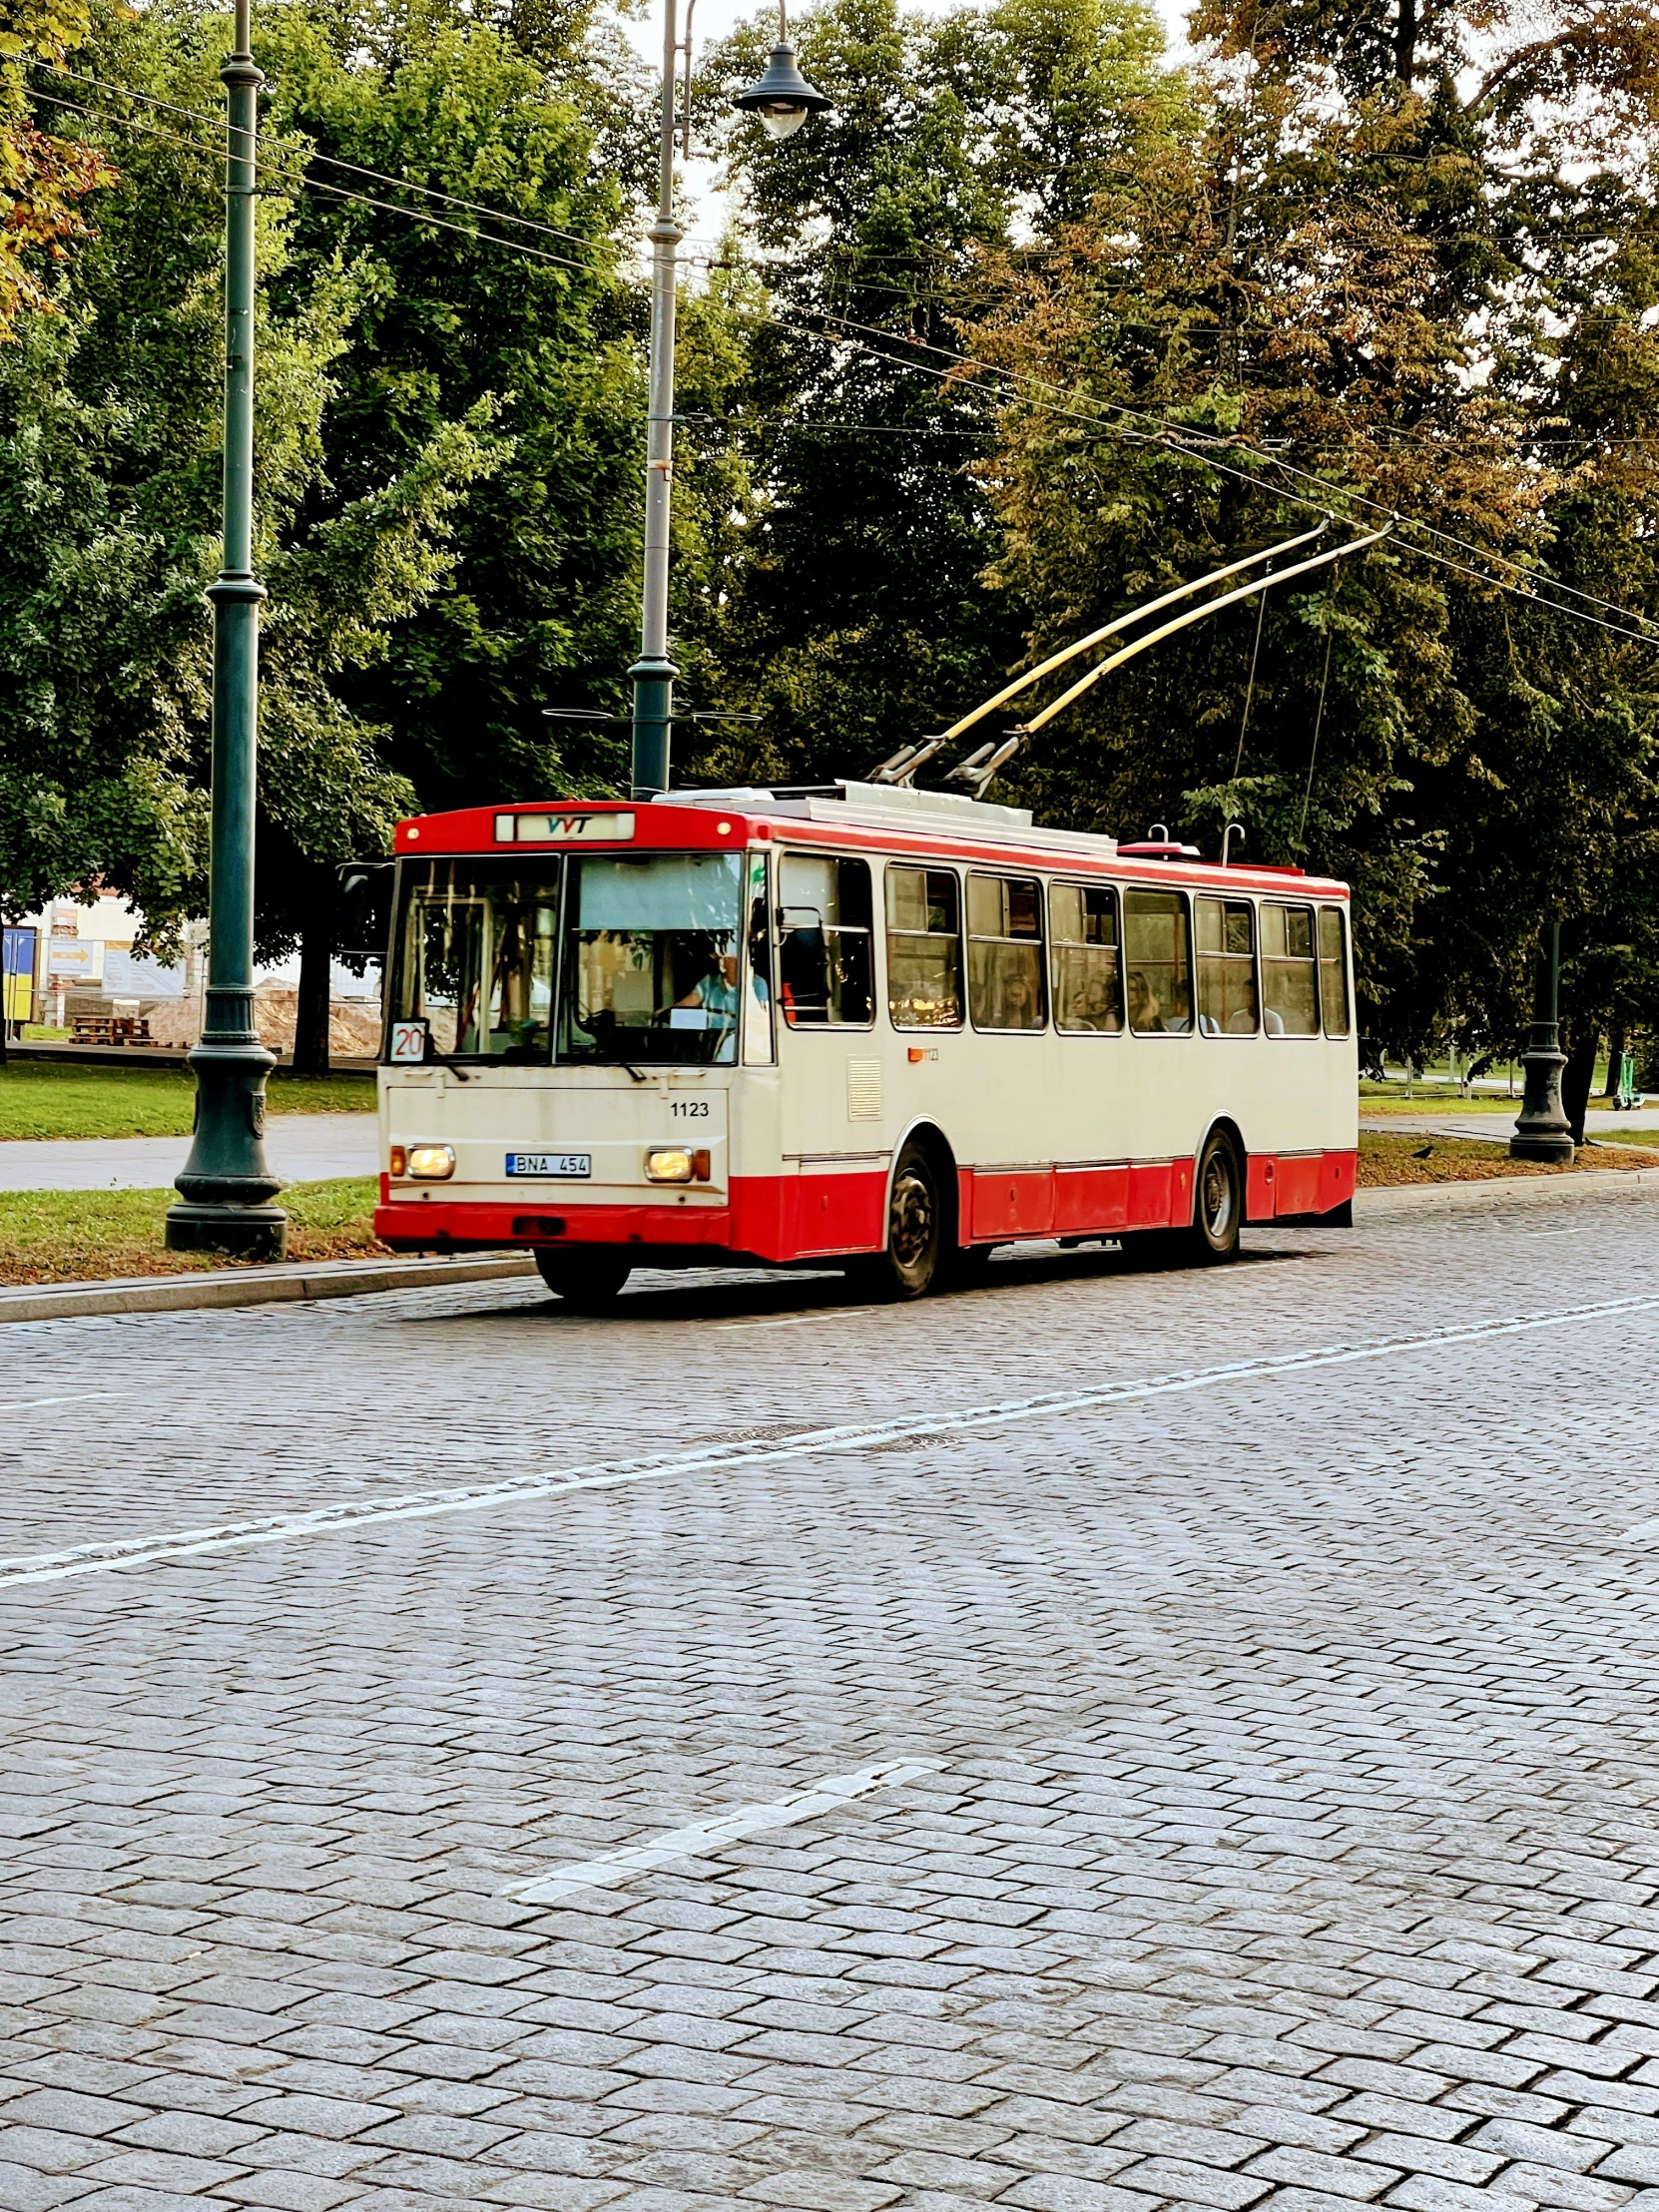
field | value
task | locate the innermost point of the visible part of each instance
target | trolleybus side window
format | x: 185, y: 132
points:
x: 824, y: 952
x: 1288, y: 984
x: 475, y: 960
x: 1158, y: 962
x: 652, y: 962
x: 1334, y: 971
x: 1227, y: 1002
x: 1087, y: 978
x: 925, y: 948
x: 1005, y: 952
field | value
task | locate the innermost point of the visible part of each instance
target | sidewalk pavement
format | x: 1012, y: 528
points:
x: 303, y: 1148
x: 1499, y: 1128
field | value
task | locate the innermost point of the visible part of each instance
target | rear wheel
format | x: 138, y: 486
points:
x: 909, y: 1266
x: 588, y: 1281
x: 1218, y: 1202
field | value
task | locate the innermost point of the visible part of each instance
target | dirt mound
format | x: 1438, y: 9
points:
x: 354, y: 1025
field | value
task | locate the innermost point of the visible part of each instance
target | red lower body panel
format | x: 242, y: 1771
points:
x: 1298, y: 1183
x: 803, y: 1217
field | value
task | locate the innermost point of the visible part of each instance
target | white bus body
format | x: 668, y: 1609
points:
x: 710, y: 1028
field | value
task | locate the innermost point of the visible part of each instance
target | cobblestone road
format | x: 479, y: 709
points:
x: 1283, y: 1822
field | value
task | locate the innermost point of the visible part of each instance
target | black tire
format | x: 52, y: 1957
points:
x: 1218, y: 1202
x: 910, y: 1265
x: 586, y: 1281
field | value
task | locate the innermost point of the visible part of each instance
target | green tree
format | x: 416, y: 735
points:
x: 856, y: 609
x: 43, y: 178
x: 1360, y: 290
x: 109, y: 471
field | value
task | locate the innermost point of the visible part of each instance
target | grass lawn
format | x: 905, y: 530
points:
x: 1387, y: 1161
x: 86, y: 1235
x: 1441, y: 1100
x: 40, y: 1098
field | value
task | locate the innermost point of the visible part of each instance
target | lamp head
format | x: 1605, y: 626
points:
x: 781, y: 98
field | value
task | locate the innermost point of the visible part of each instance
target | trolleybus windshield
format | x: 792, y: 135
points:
x: 652, y: 957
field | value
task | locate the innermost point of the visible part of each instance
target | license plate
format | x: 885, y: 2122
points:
x: 550, y: 1165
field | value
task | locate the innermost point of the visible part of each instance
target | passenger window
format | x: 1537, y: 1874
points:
x: 1005, y: 952
x: 1157, y: 961
x: 1227, y: 1005
x: 925, y: 948
x: 1289, y: 990
x: 824, y: 927
x: 1086, y: 974
x: 1334, y: 970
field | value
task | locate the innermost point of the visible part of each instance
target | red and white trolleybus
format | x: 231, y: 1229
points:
x: 863, y: 1024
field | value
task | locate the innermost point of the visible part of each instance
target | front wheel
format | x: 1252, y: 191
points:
x: 587, y: 1281
x: 909, y: 1265
x: 1217, y: 1209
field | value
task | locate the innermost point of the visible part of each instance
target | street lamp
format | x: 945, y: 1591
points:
x: 227, y: 1188
x: 783, y: 99
x: 1543, y: 1130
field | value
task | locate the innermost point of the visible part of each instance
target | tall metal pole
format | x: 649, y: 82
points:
x: 1543, y: 1130
x: 226, y: 1187
x: 654, y: 673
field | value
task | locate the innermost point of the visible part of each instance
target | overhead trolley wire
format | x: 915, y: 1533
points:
x: 328, y: 161
x: 1172, y: 437
x: 1191, y: 444
x: 1331, y: 489
x: 318, y: 184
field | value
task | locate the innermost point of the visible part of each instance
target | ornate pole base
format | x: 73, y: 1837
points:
x: 1543, y: 1130
x: 226, y: 1187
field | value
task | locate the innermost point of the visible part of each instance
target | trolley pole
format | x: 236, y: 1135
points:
x: 1543, y: 1131
x: 654, y: 673
x: 227, y: 1188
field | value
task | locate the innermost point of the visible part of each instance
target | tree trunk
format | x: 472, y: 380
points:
x: 1615, y: 1060
x: 311, y: 1031
x: 1406, y: 42
x: 1578, y: 1074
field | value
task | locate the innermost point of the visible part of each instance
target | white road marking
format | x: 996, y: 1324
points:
x: 703, y: 1837
x: 1644, y: 1533
x: 785, y: 1321
x: 69, y: 1398
x: 353, y: 1513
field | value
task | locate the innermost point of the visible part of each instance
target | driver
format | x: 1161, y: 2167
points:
x: 717, y: 991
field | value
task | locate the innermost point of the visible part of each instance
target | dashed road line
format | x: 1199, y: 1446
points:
x: 703, y: 1837
x: 68, y: 1397
x: 350, y: 1514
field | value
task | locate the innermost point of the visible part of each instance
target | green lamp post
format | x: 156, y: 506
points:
x: 227, y: 1188
x: 1543, y: 1130
x: 783, y: 99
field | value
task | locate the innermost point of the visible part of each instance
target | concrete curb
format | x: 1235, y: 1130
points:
x: 1503, y: 1189
x: 173, y: 1294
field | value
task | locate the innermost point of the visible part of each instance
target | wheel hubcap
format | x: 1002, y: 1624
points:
x: 1218, y: 1196
x: 912, y: 1219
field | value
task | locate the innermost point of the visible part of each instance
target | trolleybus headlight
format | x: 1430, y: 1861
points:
x: 672, y: 1164
x: 432, y: 1163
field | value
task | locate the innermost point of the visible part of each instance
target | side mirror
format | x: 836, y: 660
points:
x: 364, y: 926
